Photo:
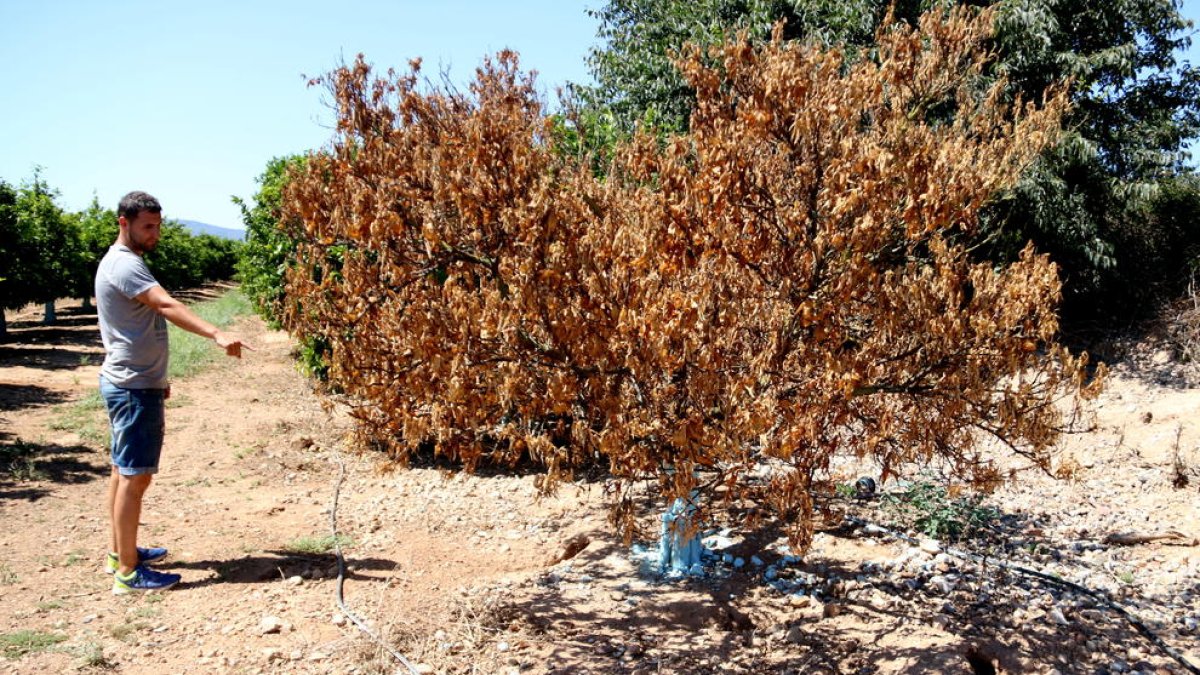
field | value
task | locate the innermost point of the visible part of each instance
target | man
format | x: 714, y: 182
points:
x: 133, y: 311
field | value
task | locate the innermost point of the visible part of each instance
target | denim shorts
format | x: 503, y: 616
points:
x: 137, y: 422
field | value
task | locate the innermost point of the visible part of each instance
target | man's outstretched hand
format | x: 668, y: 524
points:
x: 232, y: 344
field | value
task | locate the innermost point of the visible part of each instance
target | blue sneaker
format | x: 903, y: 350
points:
x: 145, y: 556
x: 143, y: 579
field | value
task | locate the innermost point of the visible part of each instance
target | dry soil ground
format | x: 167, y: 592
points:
x: 481, y: 574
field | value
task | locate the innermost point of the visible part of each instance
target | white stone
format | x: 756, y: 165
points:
x: 717, y: 542
x: 942, y: 584
x: 269, y: 624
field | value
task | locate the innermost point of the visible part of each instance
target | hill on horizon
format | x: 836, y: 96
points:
x: 197, y: 227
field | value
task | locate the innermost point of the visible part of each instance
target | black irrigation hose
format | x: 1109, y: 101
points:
x: 341, y: 577
x: 1098, y: 595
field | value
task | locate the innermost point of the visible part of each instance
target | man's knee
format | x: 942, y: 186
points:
x: 137, y: 483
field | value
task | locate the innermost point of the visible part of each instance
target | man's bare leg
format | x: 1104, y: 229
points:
x: 112, y: 514
x: 127, y: 511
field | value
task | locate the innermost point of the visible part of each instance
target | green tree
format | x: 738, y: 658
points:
x: 98, y: 230
x: 269, y: 246
x: 51, y: 244
x: 183, y: 260
x: 1090, y: 201
x: 635, y: 67
x: 16, y: 256
x: 171, y: 260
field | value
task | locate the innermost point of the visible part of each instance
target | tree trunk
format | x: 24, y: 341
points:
x: 679, y: 547
x: 51, y: 317
x: 3, y: 324
x: 87, y: 303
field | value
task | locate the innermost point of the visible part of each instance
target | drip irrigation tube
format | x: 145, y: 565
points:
x: 341, y: 577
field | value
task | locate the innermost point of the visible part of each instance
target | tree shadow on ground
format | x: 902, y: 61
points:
x: 70, y: 322
x: 32, y: 343
x: 281, y: 565
x: 63, y: 323
x: 48, y: 358
x: 27, y: 494
x: 19, y: 396
x: 67, y: 317
x: 855, y: 618
x: 83, y: 336
x: 426, y: 457
x: 202, y: 294
x: 26, y: 467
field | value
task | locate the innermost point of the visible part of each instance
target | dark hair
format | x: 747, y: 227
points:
x: 135, y: 202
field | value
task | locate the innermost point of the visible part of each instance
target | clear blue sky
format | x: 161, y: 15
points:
x: 188, y: 100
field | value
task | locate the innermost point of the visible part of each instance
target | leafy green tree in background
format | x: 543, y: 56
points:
x: 184, y: 260
x: 637, y: 81
x: 48, y: 253
x: 98, y: 229
x: 50, y: 242
x: 39, y: 247
x: 269, y: 247
x: 17, y: 256
x: 1088, y: 201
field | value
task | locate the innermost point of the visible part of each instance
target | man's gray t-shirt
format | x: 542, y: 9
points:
x: 135, y: 336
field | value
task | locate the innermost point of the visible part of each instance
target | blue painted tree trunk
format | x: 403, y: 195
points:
x: 679, y: 547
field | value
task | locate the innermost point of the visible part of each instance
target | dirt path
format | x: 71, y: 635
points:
x: 467, y: 573
x: 242, y: 501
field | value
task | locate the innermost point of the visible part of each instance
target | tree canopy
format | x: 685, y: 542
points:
x: 725, y: 310
x: 41, y: 245
x: 1134, y: 106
